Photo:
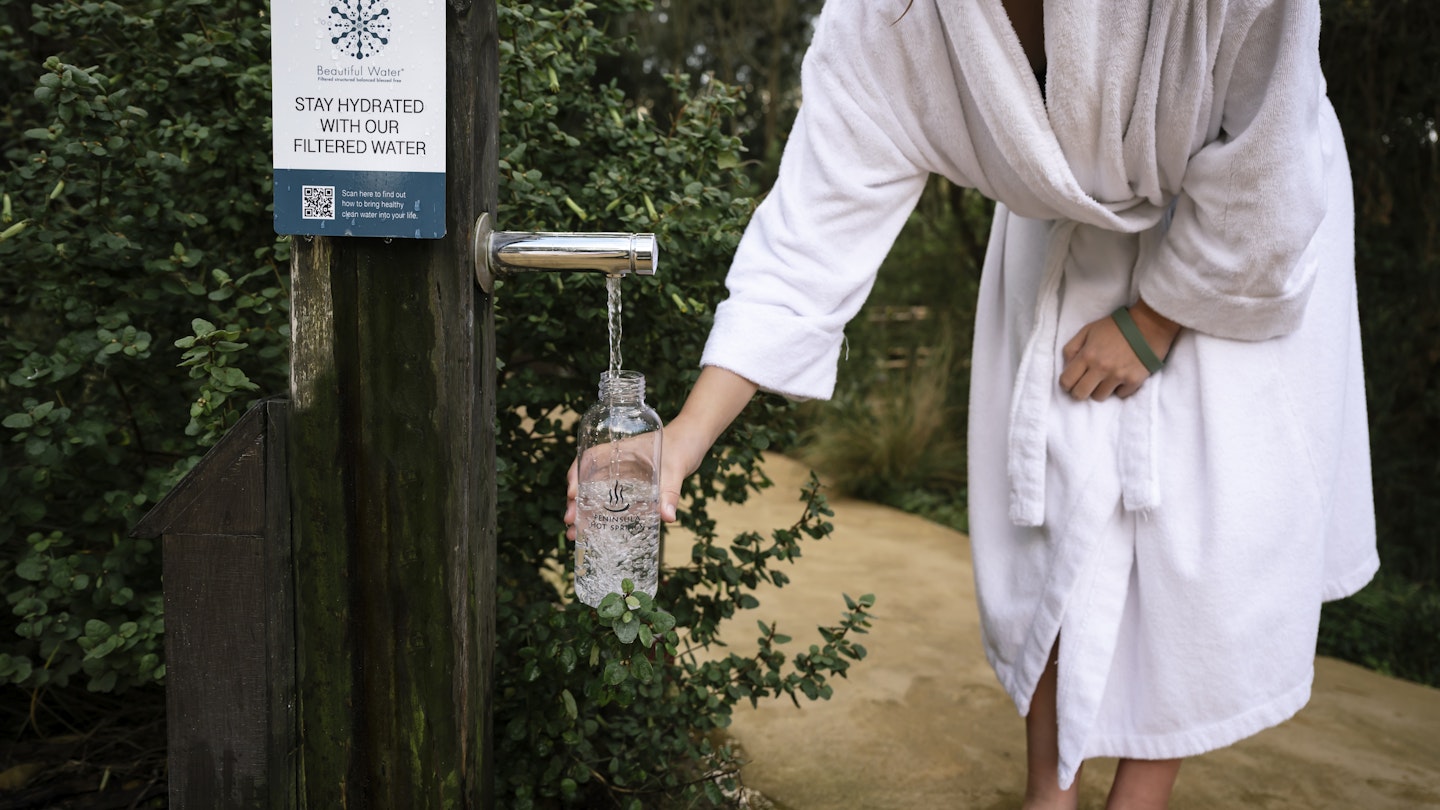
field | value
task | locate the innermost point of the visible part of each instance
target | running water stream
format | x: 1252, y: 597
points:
x: 612, y: 290
x: 613, y: 307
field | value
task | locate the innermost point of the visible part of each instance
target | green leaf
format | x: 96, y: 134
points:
x: 18, y: 421
x: 611, y: 607
x: 103, y: 648
x: 627, y: 631
x: 642, y: 669
x: 662, y: 622
x: 14, y: 669
x: 104, y: 682
x: 569, y: 700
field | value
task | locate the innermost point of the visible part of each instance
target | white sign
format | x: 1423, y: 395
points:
x: 359, y: 117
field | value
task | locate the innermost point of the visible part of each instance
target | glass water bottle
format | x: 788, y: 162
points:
x: 618, y: 520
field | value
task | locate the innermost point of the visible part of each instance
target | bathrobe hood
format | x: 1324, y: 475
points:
x: 1178, y: 542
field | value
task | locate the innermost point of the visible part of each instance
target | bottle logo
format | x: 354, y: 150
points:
x: 616, y: 501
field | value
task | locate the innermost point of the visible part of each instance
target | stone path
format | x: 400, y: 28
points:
x: 921, y: 723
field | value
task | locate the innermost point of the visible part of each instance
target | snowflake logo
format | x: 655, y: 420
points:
x: 359, y: 28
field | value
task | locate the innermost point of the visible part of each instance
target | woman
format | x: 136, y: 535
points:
x: 1151, y: 546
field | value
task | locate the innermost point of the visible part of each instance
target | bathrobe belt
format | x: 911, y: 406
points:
x: 1035, y: 384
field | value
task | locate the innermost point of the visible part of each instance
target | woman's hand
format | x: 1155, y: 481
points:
x: 1099, y: 361
x: 681, y: 452
x: 714, y: 402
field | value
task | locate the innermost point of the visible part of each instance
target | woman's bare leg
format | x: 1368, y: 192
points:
x: 1143, y: 784
x: 1042, y: 749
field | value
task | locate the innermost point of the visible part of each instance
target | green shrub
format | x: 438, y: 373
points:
x: 112, y: 238
x: 1390, y: 626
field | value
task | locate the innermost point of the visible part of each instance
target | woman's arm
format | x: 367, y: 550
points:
x: 1235, y: 262
x: 717, y: 398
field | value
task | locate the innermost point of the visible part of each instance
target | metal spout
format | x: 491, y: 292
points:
x: 614, y: 254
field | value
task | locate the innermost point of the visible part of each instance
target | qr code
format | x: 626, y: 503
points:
x: 317, y: 202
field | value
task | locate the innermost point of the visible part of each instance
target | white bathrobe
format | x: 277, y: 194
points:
x: 1178, y: 542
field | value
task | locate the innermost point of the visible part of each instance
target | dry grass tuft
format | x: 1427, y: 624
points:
x: 900, y: 435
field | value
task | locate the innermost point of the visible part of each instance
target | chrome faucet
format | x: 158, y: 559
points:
x: 614, y: 254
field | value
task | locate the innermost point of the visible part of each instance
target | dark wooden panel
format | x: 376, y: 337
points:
x: 224, y: 493
x: 279, y: 597
x: 217, y: 671
x: 229, y: 639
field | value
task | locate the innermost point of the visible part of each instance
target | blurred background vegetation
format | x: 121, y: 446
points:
x: 114, y: 240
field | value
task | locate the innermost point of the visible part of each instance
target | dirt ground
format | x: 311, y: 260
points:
x: 922, y: 723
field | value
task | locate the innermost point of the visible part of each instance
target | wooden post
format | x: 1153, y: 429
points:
x: 392, y: 485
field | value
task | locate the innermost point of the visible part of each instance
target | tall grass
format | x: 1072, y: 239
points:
x: 895, y: 432
x: 896, y: 436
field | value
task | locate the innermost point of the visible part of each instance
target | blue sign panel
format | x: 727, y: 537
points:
x: 320, y: 202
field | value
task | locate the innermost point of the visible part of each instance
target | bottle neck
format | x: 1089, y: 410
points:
x: 626, y: 386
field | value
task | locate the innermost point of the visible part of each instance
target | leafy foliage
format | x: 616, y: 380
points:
x: 757, y: 45
x: 1389, y: 627
x: 111, y: 237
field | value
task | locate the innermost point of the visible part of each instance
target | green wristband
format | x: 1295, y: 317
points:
x: 1137, y: 341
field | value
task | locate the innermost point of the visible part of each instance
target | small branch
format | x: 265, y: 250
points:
x: 130, y: 416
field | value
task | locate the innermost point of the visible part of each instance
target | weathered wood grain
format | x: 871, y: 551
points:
x: 392, y: 471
